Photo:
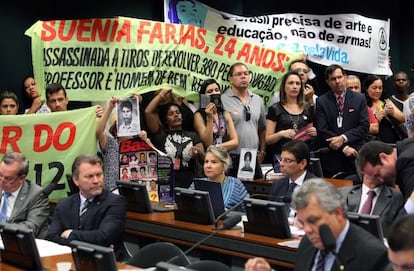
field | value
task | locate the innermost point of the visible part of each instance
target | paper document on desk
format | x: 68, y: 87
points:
x: 290, y: 243
x: 48, y: 248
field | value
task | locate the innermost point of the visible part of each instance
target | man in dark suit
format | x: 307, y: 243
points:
x: 102, y: 221
x: 294, y: 161
x: 26, y: 205
x: 387, y: 203
x: 341, y: 122
x: 389, y: 163
x: 317, y: 203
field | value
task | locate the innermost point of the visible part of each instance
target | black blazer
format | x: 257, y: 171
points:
x: 405, y: 166
x: 355, y: 126
x: 280, y: 187
x: 104, y: 223
x: 359, y: 251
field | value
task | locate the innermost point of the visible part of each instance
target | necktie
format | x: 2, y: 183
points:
x: 82, y: 213
x: 320, y: 264
x: 366, y: 209
x: 3, y: 213
x: 292, y: 186
x: 84, y: 207
x: 340, y: 101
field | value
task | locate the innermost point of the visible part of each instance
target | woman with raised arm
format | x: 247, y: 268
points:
x: 182, y: 146
x: 213, y: 124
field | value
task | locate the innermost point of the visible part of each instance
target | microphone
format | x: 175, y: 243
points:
x: 227, y: 224
x: 232, y: 221
x: 329, y: 242
x: 267, y: 172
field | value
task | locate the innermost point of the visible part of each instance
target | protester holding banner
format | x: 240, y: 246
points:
x: 37, y: 105
x: 9, y: 103
x: 56, y: 97
x: 248, y: 113
x: 182, y: 146
x: 290, y: 116
x: 213, y: 124
x: 108, y: 143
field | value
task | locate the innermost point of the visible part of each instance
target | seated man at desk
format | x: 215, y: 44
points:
x: 319, y: 203
x: 22, y: 201
x: 374, y: 197
x: 294, y: 161
x: 94, y: 215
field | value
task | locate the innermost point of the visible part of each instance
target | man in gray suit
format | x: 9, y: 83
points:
x: 26, y: 205
x: 387, y: 203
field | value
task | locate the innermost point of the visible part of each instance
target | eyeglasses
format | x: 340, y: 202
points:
x: 287, y: 160
x: 247, y: 112
x: 299, y: 70
x: 8, y: 180
x: 238, y: 74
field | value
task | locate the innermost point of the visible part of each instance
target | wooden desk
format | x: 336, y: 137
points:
x: 163, y: 226
x: 49, y: 263
x: 264, y: 187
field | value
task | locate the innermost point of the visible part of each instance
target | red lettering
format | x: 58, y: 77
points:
x: 133, y: 145
x: 244, y: 52
x: 170, y: 34
x: 70, y: 139
x: 84, y: 26
x: 156, y: 34
x: 48, y: 32
x: 124, y: 31
x: 11, y: 134
x: 277, y: 66
x: 200, y: 41
x: 71, y: 31
x: 38, y: 129
x: 142, y: 30
x: 188, y: 35
x: 86, y: 30
x: 53, y: 138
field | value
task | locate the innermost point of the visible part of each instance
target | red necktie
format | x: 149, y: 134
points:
x: 366, y: 209
x: 340, y: 101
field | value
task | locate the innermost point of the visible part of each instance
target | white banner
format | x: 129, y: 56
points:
x: 355, y: 42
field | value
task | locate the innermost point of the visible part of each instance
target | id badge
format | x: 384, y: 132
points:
x: 177, y: 163
x: 339, y: 121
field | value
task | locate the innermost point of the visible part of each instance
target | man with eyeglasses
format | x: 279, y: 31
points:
x: 22, y: 201
x: 294, y: 161
x: 341, y: 121
x: 248, y: 113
